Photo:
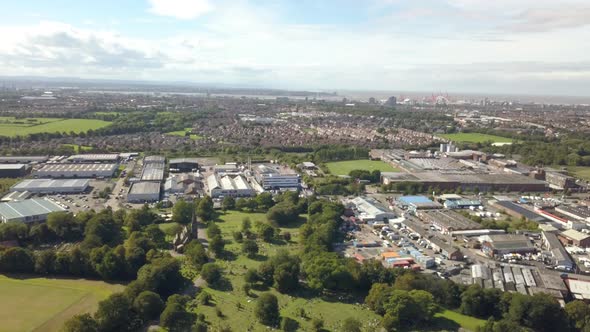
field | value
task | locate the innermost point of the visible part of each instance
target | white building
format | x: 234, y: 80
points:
x: 51, y: 186
x: 271, y: 178
x: 29, y: 210
x: 369, y: 210
x: 228, y: 185
x: 145, y: 191
x: 77, y: 171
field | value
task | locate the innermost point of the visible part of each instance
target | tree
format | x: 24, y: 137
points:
x: 211, y: 273
x: 250, y: 248
x: 148, y: 305
x: 17, y: 260
x: 246, y: 224
x: 578, y: 313
x: 216, y: 245
x: 351, y: 325
x: 479, y: 302
x: 264, y: 201
x: 289, y: 324
x: 251, y: 276
x: 182, y: 212
x: 45, y: 262
x: 282, y: 213
x: 63, y: 225
x: 176, y: 319
x: 156, y: 235
x: 213, y: 230
x: 540, y: 312
x: 267, y: 309
x: 81, y: 323
x: 205, y: 209
x: 238, y: 237
x: 196, y: 254
x: 265, y: 231
x: 317, y: 324
x: 228, y: 203
x: 114, y: 313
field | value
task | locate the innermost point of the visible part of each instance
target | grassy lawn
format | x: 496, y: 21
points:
x: 184, y: 132
x: 580, y: 172
x: 344, y: 167
x: 466, y: 322
x: 476, y: 138
x: 13, y: 127
x: 240, y: 317
x: 43, y: 304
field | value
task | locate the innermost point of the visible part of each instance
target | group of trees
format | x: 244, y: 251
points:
x: 365, y: 175
x: 184, y: 211
x: 325, y: 154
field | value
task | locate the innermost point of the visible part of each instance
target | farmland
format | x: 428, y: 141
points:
x: 476, y: 138
x: 10, y: 126
x: 238, y: 309
x: 344, y: 167
x: 43, y: 304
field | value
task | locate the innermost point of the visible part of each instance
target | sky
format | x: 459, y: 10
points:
x: 473, y: 46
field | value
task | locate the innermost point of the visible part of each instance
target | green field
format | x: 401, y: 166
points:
x: 78, y: 148
x: 344, y: 167
x: 476, y: 138
x: 10, y: 126
x: 43, y: 304
x: 241, y: 317
x: 580, y: 172
x: 466, y: 322
x: 184, y: 132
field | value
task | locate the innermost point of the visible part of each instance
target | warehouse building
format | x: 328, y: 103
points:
x: 560, y: 181
x: 462, y: 203
x: 184, y: 164
x: 519, y: 211
x: 498, y: 245
x: 77, y: 171
x: 418, y: 203
x: 559, y: 256
x: 271, y: 178
x: 577, y: 212
x: 49, y: 186
x: 13, y: 170
x: 94, y: 158
x: 14, y: 196
x: 448, y: 221
x: 30, y: 210
x: 228, y: 185
x: 152, y: 172
x: 23, y: 159
x: 573, y: 237
x: 154, y: 160
x: 142, y: 192
x: 369, y: 210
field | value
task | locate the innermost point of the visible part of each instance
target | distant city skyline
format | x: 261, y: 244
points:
x: 526, y: 47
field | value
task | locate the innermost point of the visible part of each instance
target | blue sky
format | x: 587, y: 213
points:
x: 500, y: 46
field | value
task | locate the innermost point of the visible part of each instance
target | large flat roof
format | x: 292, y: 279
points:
x: 78, y: 167
x: 95, y: 157
x: 184, y: 160
x: 31, y: 184
x: 11, y: 166
x: 22, y: 159
x: 530, y: 215
x: 28, y: 208
x: 145, y: 188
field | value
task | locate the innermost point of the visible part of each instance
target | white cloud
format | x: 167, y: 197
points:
x: 180, y: 9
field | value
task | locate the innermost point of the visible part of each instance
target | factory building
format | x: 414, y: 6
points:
x: 13, y: 170
x: 369, y: 210
x: 153, y: 169
x: 94, y: 158
x: 461, y: 203
x: 50, y: 186
x: 16, y: 196
x: 448, y: 221
x: 227, y: 169
x: 576, y: 212
x: 498, y: 245
x: 229, y: 185
x: 30, y: 210
x: 519, y: 211
x: 23, y: 159
x: 418, y: 203
x: 77, y: 171
x: 271, y: 178
x: 145, y: 191
x: 560, y: 181
x: 559, y: 256
x: 186, y: 184
x: 573, y: 237
x: 184, y: 165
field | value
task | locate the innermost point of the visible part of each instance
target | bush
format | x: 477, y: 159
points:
x: 211, y: 273
x: 267, y: 309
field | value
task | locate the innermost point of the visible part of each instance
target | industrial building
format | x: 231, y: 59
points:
x: 467, y: 180
x: 229, y: 185
x: 576, y: 212
x: 418, y: 203
x: 448, y: 221
x: 574, y: 237
x: 368, y: 209
x: 461, y: 203
x: 50, y: 186
x: 94, y: 158
x: 519, y: 211
x: 23, y: 159
x: 16, y: 196
x: 145, y: 191
x: 560, y: 181
x: 184, y: 164
x: 271, y: 178
x: 186, y: 184
x: 30, y: 210
x: 77, y: 171
x: 153, y: 168
x: 498, y: 245
x: 227, y: 169
x: 559, y: 255
x: 13, y: 170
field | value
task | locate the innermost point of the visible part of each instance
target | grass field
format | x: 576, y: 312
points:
x: 241, y: 317
x: 476, y: 138
x: 580, y: 172
x: 184, y: 132
x: 13, y: 127
x: 344, y: 167
x: 79, y: 148
x: 466, y: 322
x: 43, y: 304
